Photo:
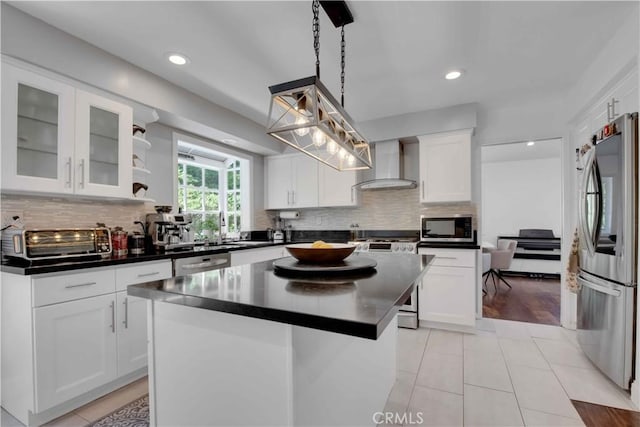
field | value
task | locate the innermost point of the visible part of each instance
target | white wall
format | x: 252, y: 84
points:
x: 521, y: 194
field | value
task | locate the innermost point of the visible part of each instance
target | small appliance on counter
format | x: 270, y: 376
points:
x: 59, y: 243
x: 119, y: 242
x: 278, y: 236
x: 170, y: 231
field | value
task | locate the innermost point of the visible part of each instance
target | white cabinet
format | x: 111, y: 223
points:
x: 71, y: 336
x: 300, y: 181
x: 445, y: 167
x: 57, y: 139
x: 447, y: 293
x: 37, y: 132
x: 248, y: 256
x: 131, y: 321
x: 292, y: 182
x: 621, y: 99
x: 75, y: 348
x: 335, y: 188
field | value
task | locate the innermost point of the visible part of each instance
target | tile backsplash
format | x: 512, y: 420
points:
x: 378, y: 210
x: 52, y: 212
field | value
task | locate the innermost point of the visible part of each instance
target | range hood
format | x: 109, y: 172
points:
x: 389, y: 168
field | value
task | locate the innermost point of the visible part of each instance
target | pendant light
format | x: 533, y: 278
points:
x: 304, y: 114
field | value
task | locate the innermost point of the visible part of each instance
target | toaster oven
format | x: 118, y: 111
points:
x: 56, y: 243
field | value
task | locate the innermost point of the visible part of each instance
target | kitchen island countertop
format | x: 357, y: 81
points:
x: 361, y: 305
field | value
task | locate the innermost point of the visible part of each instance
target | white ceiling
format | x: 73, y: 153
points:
x: 397, y: 52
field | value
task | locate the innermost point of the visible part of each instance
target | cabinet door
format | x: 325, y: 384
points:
x: 37, y: 132
x: 103, y: 146
x: 445, y: 167
x: 278, y: 182
x: 305, y: 182
x: 335, y: 188
x: 131, y: 318
x: 75, y: 348
x: 447, y: 295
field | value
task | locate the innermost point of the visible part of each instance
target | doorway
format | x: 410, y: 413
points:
x: 521, y: 223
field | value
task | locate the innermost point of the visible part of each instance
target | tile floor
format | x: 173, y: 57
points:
x: 507, y: 374
x: 93, y: 411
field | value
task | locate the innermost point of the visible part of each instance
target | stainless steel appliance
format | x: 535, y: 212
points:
x: 198, y: 264
x: 170, y: 231
x: 607, y: 276
x: 453, y: 228
x: 56, y: 243
x: 408, y: 314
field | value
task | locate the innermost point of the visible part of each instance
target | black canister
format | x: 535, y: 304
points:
x: 136, y: 244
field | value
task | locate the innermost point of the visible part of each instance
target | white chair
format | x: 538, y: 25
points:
x: 501, y: 260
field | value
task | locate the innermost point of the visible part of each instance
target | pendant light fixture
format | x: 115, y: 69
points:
x: 304, y: 114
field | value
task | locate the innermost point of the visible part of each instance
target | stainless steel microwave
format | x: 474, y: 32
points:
x: 453, y: 228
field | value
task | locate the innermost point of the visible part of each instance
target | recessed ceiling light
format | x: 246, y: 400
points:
x: 452, y: 75
x: 530, y: 144
x: 177, y: 58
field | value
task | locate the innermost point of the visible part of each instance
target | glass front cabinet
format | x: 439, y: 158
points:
x: 57, y: 139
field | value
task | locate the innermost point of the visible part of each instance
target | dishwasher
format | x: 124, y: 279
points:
x: 198, y: 264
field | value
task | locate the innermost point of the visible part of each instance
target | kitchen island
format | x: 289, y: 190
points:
x: 246, y: 346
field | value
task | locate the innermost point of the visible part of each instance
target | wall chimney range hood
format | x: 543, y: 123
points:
x: 389, y: 168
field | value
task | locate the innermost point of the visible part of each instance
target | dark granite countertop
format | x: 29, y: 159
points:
x: 452, y: 245
x: 360, y: 305
x: 23, y: 268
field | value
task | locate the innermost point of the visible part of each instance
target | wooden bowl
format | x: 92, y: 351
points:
x: 303, y: 252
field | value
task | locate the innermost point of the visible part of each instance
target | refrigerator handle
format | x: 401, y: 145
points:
x: 599, y: 288
x: 582, y: 214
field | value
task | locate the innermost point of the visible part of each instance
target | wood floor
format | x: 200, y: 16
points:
x: 529, y: 300
x: 598, y: 416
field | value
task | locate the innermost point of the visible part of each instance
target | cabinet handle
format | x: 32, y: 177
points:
x: 288, y: 195
x: 126, y: 313
x: 293, y: 198
x: 608, y: 112
x: 351, y: 194
x: 113, y: 317
x: 613, y: 108
x: 422, y: 188
x: 446, y: 257
x: 80, y: 284
x: 148, y: 274
x: 69, y: 171
x: 82, y: 173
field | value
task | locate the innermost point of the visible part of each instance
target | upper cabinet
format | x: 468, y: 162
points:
x: 56, y: 139
x: 621, y: 99
x: 445, y: 167
x: 103, y: 148
x: 335, y: 188
x: 300, y: 181
x: 292, y: 182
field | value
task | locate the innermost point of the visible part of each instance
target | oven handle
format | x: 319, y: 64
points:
x: 205, y: 264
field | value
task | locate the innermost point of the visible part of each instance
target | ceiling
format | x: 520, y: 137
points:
x: 397, y: 52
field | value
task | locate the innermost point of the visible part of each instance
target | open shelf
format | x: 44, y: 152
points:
x: 142, y: 199
x: 141, y: 170
x: 141, y: 141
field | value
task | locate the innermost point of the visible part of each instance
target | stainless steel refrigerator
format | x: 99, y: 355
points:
x: 608, y: 241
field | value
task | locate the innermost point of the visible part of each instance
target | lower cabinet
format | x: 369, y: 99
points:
x: 447, y: 294
x: 70, y: 337
x: 131, y: 326
x: 75, y: 348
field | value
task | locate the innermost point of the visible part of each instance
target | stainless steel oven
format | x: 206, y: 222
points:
x: 408, y: 314
x: 452, y: 228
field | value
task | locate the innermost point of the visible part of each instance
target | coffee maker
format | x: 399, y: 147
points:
x: 170, y: 231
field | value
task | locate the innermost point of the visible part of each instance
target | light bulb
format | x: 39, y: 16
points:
x: 351, y: 160
x: 301, y: 120
x: 342, y: 153
x: 318, y: 138
x: 332, y: 147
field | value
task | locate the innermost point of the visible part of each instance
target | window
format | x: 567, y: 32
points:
x: 200, y: 190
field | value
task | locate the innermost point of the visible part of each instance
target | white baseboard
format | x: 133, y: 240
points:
x: 635, y: 394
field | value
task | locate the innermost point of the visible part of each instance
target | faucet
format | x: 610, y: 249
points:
x: 220, y: 225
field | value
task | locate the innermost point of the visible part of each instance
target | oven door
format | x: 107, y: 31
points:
x: 408, y: 314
